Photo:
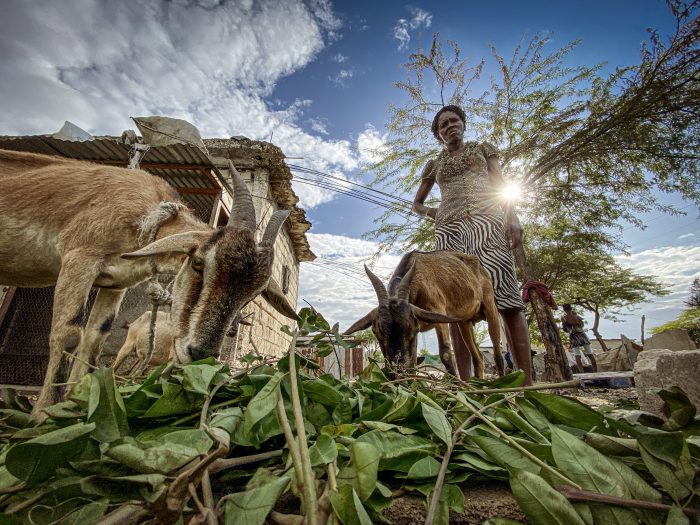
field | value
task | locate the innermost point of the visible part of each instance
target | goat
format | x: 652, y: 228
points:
x: 78, y: 225
x: 138, y: 335
x: 137, y: 341
x: 427, y: 290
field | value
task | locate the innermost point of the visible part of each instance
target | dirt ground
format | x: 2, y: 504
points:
x: 486, y: 500
x: 596, y: 396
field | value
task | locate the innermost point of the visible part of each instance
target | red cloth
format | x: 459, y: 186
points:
x: 541, y: 289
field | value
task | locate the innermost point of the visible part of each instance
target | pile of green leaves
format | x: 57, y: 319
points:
x: 110, y: 447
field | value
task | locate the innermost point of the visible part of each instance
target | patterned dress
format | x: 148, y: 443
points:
x: 470, y: 218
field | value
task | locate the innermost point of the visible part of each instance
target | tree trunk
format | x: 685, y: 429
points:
x: 556, y: 364
x: 596, y: 333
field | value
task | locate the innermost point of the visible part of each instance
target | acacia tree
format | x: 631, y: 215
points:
x: 689, y: 319
x: 568, y: 134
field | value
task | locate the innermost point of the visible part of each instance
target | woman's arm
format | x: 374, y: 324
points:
x: 514, y: 230
x: 422, y: 193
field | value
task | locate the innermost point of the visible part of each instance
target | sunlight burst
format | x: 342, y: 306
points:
x: 511, y: 192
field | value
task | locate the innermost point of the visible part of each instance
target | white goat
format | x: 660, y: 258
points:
x: 78, y: 225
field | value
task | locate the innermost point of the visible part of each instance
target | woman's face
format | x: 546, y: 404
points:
x: 450, y: 127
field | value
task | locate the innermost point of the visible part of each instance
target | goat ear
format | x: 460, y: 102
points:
x: 177, y: 243
x: 432, y: 317
x: 274, y: 295
x: 363, y: 323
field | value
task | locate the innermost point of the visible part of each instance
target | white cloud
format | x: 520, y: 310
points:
x: 339, y: 57
x: 420, y: 19
x: 341, y: 77
x: 213, y: 63
x: 340, y: 289
x: 371, y: 145
x: 686, y: 236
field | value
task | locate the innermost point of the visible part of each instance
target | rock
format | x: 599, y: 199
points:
x: 673, y: 339
x: 663, y: 368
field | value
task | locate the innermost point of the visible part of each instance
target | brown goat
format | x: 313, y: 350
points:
x: 137, y: 341
x: 76, y: 225
x: 427, y: 290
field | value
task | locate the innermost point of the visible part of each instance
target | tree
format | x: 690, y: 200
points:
x: 567, y: 134
x: 688, y: 320
x: 579, y: 271
x: 694, y: 300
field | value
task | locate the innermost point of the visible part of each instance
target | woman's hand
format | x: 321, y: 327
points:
x: 431, y: 213
x: 514, y: 232
x: 424, y: 211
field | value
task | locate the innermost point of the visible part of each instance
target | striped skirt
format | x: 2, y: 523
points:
x: 483, y: 236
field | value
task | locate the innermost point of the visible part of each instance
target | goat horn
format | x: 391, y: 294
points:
x: 273, y: 227
x: 242, y: 209
x: 382, y: 294
x: 404, y: 289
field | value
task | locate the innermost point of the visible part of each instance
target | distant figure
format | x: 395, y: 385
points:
x: 575, y: 367
x: 572, y: 324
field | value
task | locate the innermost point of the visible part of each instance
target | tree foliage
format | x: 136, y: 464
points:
x: 598, y: 146
x: 689, y: 319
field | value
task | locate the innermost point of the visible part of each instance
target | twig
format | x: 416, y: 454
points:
x: 309, y: 478
x: 286, y: 519
x: 91, y: 366
x: 291, y: 443
x: 225, y: 464
x: 544, y: 386
x: 12, y: 490
x: 576, y: 494
x: 435, y: 496
x: 208, y: 497
x: 205, y: 407
x: 200, y: 506
x: 128, y: 514
x: 512, y: 442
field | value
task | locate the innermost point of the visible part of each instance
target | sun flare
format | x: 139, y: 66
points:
x: 511, y: 192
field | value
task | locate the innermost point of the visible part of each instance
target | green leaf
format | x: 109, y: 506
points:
x: 593, y: 471
x: 393, y: 445
x: 667, y: 457
x: 437, y: 422
x: 612, y: 446
x: 513, y: 380
x: 172, y: 451
x: 424, y: 468
x: 89, y: 513
x: 251, y: 507
x: 37, y: 459
x: 348, y: 506
x: 678, y: 408
x: 451, y: 497
x: 504, y: 454
x: 540, y: 502
x: 321, y: 392
x: 533, y: 416
x: 197, y: 378
x: 175, y: 401
x: 324, y: 451
x: 501, y: 521
x: 569, y: 411
x: 361, y: 471
x: 676, y: 516
x: 264, y: 402
x: 106, y: 407
x: 380, y: 425
x: 522, y: 425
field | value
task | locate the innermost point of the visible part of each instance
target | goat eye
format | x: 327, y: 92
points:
x: 197, y: 264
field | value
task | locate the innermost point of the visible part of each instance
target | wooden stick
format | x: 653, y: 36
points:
x: 309, y: 478
x: 225, y: 464
x: 575, y: 494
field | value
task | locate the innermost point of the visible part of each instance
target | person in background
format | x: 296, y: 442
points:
x: 572, y: 324
x: 472, y: 218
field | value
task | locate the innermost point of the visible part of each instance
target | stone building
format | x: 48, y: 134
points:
x: 198, y: 170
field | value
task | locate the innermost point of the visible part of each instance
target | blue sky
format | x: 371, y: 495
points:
x: 317, y: 76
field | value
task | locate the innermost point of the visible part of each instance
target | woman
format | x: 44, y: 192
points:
x: 471, y: 219
x: 572, y: 324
